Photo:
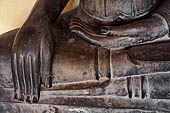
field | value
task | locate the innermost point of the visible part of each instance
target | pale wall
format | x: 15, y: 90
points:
x: 13, y: 13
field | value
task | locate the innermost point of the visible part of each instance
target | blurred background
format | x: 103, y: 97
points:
x: 13, y: 13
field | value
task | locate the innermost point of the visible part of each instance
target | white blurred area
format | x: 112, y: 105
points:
x: 13, y: 13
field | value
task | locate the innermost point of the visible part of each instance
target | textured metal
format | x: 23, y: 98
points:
x: 84, y: 75
x: 110, y: 10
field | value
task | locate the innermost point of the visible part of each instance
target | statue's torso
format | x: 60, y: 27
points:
x: 111, y: 10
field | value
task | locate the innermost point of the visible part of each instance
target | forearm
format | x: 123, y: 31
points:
x: 48, y: 9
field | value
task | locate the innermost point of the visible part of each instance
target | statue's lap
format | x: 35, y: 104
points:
x: 75, y: 60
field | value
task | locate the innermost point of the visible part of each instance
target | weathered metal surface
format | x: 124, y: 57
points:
x: 111, y: 10
x: 123, y: 68
x: 148, y: 91
x: 87, y: 62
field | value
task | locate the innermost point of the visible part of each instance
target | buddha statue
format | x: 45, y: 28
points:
x: 91, y: 46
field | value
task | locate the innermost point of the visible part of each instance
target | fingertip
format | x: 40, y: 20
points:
x: 28, y: 99
x: 35, y: 99
x: 21, y: 97
x: 105, y: 30
x: 16, y: 96
x: 48, y: 82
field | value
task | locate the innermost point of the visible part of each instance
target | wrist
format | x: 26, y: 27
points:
x: 48, y: 9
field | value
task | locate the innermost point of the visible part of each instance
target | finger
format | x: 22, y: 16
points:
x: 121, y: 31
x: 15, y: 76
x: 110, y: 43
x: 106, y: 30
x: 112, y: 30
x: 29, y: 85
x: 76, y: 21
x: 46, y: 69
x: 21, y: 76
x: 80, y: 26
x: 46, y: 64
x: 134, y: 29
x: 84, y: 34
x: 88, y: 29
x: 35, y: 78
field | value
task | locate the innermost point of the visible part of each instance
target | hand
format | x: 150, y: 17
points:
x: 120, y: 37
x: 32, y: 53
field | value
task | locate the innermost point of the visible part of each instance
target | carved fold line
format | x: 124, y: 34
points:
x: 79, y: 22
x: 105, y: 7
x: 135, y: 8
x: 87, y: 29
x: 110, y: 64
x: 131, y: 7
x: 137, y: 87
x: 41, y: 61
x: 97, y: 63
x: 148, y: 87
x: 78, y: 85
x: 140, y: 10
x: 103, y: 59
x: 129, y: 86
x: 142, y: 87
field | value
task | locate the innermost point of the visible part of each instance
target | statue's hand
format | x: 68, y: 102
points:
x: 31, y: 59
x: 120, y: 37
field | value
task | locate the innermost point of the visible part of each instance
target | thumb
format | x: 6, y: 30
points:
x: 46, y: 54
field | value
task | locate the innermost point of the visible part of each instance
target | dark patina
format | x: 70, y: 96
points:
x: 104, y: 55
